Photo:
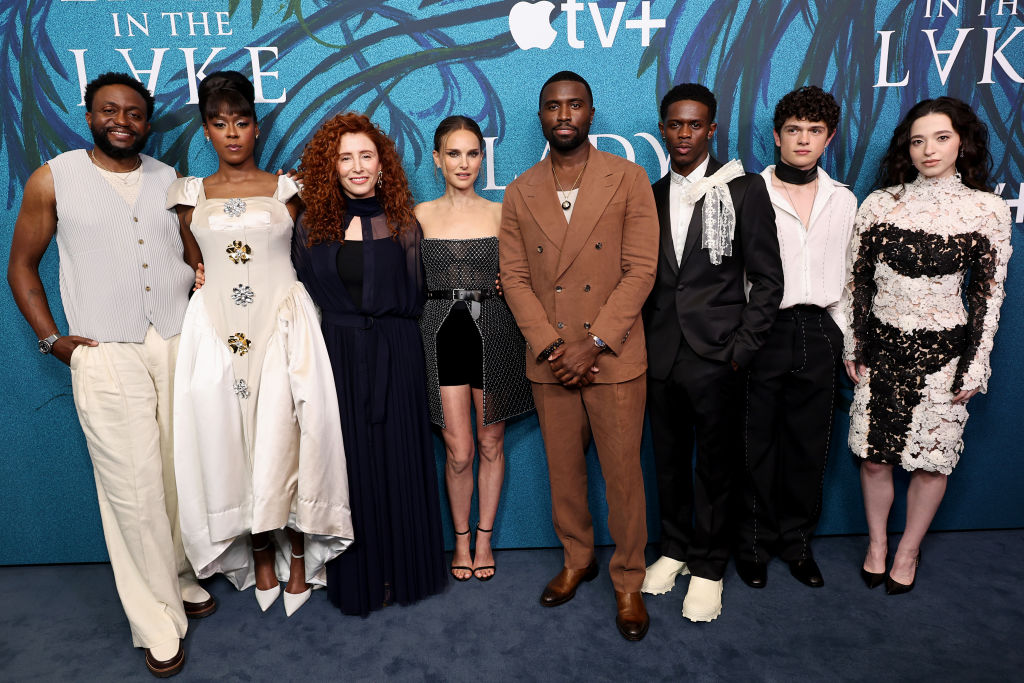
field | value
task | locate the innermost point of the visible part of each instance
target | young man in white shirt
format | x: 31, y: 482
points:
x: 790, y: 390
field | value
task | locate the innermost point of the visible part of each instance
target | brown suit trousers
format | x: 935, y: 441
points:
x: 614, y: 415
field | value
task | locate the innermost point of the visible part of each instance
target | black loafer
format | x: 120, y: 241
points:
x: 807, y: 572
x: 166, y: 668
x: 754, y: 574
x: 199, y: 610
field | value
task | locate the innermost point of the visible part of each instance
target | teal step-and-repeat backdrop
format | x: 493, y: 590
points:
x: 408, y: 64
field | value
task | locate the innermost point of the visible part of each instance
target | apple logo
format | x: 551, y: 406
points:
x: 530, y: 24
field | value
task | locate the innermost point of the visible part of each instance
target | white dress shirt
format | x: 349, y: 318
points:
x: 814, y: 258
x: 680, y: 212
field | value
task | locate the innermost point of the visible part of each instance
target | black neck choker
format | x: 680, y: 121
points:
x: 793, y: 175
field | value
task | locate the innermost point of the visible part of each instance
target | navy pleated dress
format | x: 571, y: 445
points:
x: 369, y: 315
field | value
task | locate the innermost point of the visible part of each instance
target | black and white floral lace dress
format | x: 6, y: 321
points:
x: 915, y: 254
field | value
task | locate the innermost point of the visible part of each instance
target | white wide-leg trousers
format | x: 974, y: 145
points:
x: 123, y: 394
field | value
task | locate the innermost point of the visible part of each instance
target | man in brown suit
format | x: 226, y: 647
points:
x: 579, y: 243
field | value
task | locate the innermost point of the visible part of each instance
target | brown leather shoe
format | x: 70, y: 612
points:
x: 198, y: 610
x: 167, y: 668
x: 562, y: 588
x: 632, y: 618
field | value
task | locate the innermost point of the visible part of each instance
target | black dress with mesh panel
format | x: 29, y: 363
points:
x: 472, y: 264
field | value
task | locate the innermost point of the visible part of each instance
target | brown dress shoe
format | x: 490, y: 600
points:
x: 198, y: 610
x: 562, y: 588
x: 632, y: 618
x: 166, y: 668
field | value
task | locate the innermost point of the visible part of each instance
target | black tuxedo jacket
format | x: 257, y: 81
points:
x: 704, y: 303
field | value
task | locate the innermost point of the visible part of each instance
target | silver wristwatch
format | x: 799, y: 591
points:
x: 46, y: 345
x: 598, y: 342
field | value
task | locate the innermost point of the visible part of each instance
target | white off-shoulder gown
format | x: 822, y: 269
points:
x: 257, y: 433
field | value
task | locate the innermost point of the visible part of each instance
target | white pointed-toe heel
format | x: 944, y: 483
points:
x: 293, y: 601
x: 266, y: 598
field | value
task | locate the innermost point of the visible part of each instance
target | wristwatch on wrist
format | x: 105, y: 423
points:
x: 46, y: 345
x: 598, y: 342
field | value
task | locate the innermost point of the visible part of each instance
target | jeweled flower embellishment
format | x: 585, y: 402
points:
x: 242, y: 295
x: 239, y: 343
x: 241, y: 388
x: 238, y: 252
x: 234, y: 207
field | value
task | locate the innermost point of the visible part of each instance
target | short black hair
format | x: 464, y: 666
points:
x: 229, y: 92
x: 566, y: 76
x: 690, y: 91
x: 809, y: 103
x: 115, y: 78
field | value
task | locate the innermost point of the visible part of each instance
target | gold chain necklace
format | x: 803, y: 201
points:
x: 566, y: 204
x: 96, y: 162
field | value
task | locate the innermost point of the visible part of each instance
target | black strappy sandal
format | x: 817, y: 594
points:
x: 454, y: 567
x: 489, y: 566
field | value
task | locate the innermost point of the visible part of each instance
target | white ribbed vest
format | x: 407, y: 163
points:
x: 121, y: 267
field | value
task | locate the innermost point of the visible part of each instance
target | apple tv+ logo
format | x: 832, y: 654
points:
x: 530, y: 23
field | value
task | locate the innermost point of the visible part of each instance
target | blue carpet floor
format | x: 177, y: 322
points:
x: 962, y: 622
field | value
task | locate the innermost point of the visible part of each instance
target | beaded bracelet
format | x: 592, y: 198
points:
x: 551, y: 349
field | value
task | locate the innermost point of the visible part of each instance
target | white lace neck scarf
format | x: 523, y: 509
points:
x: 719, y: 214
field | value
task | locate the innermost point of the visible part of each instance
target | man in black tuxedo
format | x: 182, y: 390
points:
x: 703, y: 329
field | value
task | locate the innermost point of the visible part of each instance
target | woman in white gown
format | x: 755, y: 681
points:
x: 259, y: 460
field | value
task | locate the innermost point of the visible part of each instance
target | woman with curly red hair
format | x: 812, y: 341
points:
x: 357, y: 250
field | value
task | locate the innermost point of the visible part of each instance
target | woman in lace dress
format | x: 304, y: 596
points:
x: 258, y: 454
x: 474, y: 350
x: 915, y: 354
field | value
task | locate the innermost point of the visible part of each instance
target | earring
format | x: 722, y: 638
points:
x: 961, y: 152
x: 207, y: 138
x: 257, y: 136
x: 380, y: 178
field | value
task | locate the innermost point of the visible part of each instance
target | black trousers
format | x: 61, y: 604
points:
x: 790, y: 404
x: 699, y: 403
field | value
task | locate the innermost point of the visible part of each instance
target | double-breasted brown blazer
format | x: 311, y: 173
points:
x: 590, y: 275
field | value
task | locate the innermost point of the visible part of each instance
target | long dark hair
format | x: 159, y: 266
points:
x: 974, y: 166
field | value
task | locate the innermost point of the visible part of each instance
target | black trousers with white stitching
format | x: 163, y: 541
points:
x: 790, y: 404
